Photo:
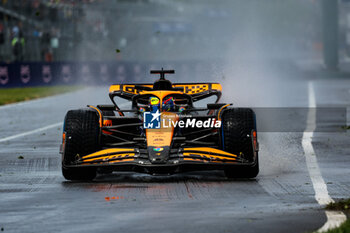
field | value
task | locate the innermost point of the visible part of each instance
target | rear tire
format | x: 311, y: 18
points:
x: 82, y: 137
x: 237, y: 127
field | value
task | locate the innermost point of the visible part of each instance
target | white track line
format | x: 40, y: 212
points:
x: 37, y: 130
x: 334, y: 218
x: 30, y: 132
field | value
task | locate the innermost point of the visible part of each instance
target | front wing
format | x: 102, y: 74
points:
x: 196, y: 158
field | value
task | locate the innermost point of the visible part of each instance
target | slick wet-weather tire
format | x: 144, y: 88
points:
x: 237, y: 127
x: 82, y: 137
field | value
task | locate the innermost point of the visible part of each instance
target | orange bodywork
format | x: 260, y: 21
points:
x: 123, y: 154
x: 203, y: 154
x: 209, y: 150
x: 110, y: 151
x: 160, y: 94
x: 188, y: 88
x: 99, y: 113
x: 214, y: 155
x: 107, y: 123
x: 163, y: 136
x: 220, y: 110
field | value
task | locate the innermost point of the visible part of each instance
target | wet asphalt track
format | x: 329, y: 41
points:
x: 34, y: 197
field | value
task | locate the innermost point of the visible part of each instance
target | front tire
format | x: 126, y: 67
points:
x: 82, y: 131
x: 238, y: 125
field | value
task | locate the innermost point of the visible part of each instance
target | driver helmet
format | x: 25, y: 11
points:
x: 168, y: 104
x: 154, y: 104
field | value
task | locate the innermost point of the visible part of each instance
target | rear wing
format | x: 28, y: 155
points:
x: 197, y: 91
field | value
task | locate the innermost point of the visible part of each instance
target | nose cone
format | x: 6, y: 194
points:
x: 158, y: 155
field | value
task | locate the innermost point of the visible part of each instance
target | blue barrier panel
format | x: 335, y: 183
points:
x: 95, y: 73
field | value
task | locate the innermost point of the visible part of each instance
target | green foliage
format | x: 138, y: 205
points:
x: 340, y: 205
x: 12, y: 95
x: 344, y: 228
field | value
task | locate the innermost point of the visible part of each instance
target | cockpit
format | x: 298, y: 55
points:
x: 170, y: 103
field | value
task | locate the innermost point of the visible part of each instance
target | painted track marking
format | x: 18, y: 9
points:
x: 31, y: 132
x: 39, y: 129
x: 334, y: 218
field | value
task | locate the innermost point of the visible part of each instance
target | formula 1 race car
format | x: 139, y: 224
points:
x: 162, y: 133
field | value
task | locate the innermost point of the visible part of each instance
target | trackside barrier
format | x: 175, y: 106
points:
x: 95, y: 73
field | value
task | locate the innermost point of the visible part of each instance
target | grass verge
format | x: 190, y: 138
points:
x: 343, y: 205
x: 343, y: 228
x: 340, y: 205
x: 13, y: 95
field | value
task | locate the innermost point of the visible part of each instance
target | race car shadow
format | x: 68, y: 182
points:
x: 131, y: 177
x: 131, y: 186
